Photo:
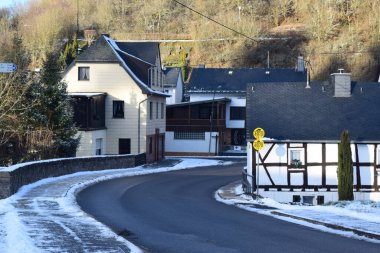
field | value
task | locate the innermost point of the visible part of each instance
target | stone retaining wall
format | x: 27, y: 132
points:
x: 14, y: 177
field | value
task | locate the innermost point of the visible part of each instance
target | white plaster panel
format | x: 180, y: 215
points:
x: 332, y: 153
x: 296, y: 178
x: 278, y: 154
x: 314, y: 153
x: 331, y: 176
x: 279, y: 175
x: 314, y: 174
x: 366, y: 175
x: 365, y: 153
x: 263, y: 177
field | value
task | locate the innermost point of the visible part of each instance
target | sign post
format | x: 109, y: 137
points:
x: 258, y: 144
x: 7, y: 67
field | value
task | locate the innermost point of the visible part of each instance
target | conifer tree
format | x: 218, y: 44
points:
x: 52, y: 117
x: 345, y: 171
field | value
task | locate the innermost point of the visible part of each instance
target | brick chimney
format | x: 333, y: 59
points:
x: 341, y: 83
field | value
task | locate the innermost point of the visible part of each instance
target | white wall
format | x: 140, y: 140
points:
x: 190, y: 146
x: 88, y: 142
x: 116, y: 82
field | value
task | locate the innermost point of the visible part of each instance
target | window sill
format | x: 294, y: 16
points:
x: 118, y: 118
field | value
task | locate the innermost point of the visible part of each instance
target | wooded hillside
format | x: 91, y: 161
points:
x: 331, y: 34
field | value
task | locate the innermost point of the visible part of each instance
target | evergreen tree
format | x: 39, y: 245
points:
x: 345, y: 171
x: 52, y: 118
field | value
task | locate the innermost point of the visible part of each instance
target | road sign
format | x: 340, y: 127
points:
x: 258, y: 133
x: 258, y: 144
x: 7, y: 67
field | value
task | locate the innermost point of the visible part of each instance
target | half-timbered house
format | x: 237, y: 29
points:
x: 303, y: 124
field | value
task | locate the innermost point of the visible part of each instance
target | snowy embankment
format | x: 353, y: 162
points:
x: 357, y: 219
x: 45, y: 217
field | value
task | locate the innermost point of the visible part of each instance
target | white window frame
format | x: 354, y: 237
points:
x: 98, y: 146
x: 301, y: 155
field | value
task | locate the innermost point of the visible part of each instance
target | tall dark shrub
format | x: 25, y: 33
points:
x: 345, y: 171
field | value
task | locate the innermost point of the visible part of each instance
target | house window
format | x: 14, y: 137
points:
x: 98, y: 146
x: 162, y: 110
x: 237, y: 113
x: 118, y: 109
x: 150, y: 110
x: 296, y: 157
x: 124, y: 146
x: 84, y: 73
x: 189, y: 136
x: 156, y: 110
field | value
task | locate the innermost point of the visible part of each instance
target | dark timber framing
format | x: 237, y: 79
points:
x: 304, y: 168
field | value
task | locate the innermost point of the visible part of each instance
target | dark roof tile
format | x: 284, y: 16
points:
x: 289, y: 111
x: 231, y: 79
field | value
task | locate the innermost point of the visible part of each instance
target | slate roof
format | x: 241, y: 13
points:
x: 107, y: 50
x: 291, y: 112
x: 146, y: 51
x: 236, y: 79
x: 98, y: 52
x: 171, y: 76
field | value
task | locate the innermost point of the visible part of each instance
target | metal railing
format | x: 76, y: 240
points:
x: 247, y: 187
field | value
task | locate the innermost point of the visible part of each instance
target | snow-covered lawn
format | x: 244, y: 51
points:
x: 356, y: 216
x: 44, y: 216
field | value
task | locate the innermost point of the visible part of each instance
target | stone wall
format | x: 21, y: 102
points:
x: 14, y: 177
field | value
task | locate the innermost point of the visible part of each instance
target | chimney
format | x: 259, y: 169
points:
x: 300, y: 67
x: 341, y: 83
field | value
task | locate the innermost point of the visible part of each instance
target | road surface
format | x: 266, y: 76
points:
x: 176, y: 212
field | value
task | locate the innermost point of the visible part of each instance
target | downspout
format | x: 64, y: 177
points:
x: 138, y: 124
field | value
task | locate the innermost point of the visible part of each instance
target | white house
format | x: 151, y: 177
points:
x: 119, y: 102
x: 303, y: 124
x: 173, y: 85
x: 221, y: 92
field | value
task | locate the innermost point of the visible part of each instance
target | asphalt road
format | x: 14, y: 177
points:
x: 176, y: 212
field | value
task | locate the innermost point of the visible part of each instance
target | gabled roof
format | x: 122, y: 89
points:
x: 146, y: 51
x: 290, y: 111
x: 236, y: 79
x: 171, y: 76
x: 98, y: 52
x: 106, y: 50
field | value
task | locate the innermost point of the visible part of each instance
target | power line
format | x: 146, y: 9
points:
x: 213, y: 20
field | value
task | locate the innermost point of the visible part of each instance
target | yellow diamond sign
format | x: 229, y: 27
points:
x: 258, y: 144
x: 258, y: 133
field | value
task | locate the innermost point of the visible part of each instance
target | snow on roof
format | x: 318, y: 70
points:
x: 116, y: 48
x: 86, y: 94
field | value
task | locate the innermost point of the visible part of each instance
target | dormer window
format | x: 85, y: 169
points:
x: 83, y: 73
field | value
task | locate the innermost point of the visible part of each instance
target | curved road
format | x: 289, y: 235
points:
x: 176, y: 212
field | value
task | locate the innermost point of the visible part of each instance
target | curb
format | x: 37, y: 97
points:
x: 329, y: 225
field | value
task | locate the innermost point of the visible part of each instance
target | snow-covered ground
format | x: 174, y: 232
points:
x: 44, y: 216
x: 358, y: 219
